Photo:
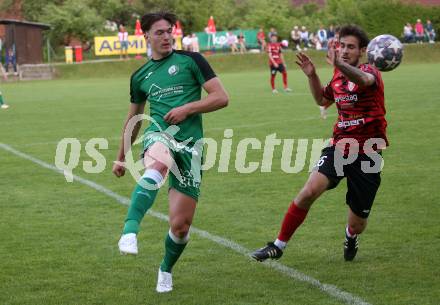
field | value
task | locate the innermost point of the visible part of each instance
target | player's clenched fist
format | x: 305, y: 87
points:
x: 118, y: 169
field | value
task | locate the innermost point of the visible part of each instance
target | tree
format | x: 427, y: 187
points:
x: 33, y: 9
x: 74, y: 18
x: 115, y: 10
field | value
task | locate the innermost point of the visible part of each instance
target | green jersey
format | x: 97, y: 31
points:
x: 171, y: 82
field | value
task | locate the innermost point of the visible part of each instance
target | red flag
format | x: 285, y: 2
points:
x: 138, y: 30
x: 177, y: 30
x: 211, y: 26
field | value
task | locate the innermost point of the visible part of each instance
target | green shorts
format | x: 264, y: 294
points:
x: 186, y: 173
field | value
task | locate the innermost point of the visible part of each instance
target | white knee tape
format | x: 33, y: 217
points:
x: 179, y: 240
x: 154, y: 175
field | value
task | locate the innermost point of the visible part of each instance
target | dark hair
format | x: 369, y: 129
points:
x: 149, y: 19
x: 356, y: 31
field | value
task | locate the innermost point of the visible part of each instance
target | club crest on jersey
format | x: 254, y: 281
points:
x: 173, y: 70
x: 351, y: 86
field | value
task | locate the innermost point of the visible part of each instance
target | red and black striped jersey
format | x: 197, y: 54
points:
x: 274, y: 50
x: 361, y: 110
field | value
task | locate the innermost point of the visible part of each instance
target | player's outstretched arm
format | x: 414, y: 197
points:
x: 217, y: 98
x: 307, y: 66
x: 135, y: 109
x: 354, y: 74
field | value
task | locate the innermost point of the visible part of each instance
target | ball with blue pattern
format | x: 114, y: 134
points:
x: 385, y: 52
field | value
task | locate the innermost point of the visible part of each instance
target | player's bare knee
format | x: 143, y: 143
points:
x: 159, y: 166
x: 180, y: 227
x: 313, y: 188
x: 306, y: 197
x: 358, y: 227
x: 180, y: 231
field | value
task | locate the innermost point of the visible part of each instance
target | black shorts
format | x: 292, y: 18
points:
x: 361, y: 186
x: 280, y: 68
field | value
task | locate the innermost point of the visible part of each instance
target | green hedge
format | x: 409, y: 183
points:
x: 380, y: 17
x: 225, y: 63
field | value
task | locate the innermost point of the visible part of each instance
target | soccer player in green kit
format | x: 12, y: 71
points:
x: 171, y: 81
x: 3, y: 105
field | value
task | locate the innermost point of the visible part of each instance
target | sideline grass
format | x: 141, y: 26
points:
x: 58, y: 241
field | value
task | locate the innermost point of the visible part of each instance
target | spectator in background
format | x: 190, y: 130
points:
x: 304, y: 34
x: 420, y: 31
x: 430, y: 32
x: 314, y: 41
x: 231, y: 40
x: 195, y: 43
x: 261, y: 38
x: 408, y: 35
x: 322, y: 36
x: 186, y: 43
x: 296, y: 38
x: 123, y: 40
x: 10, y: 59
x: 242, y: 43
x: 272, y: 32
x: 334, y: 41
x: 330, y: 32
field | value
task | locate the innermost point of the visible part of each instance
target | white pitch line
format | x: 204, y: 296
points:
x: 331, y: 290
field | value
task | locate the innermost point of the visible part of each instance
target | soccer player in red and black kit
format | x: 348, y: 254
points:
x: 276, y: 63
x: 358, y: 91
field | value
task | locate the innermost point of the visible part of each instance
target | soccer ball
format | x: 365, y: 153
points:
x: 285, y: 43
x: 385, y: 52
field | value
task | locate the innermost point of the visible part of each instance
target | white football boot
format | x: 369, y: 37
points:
x: 5, y: 106
x: 164, y: 282
x: 128, y: 244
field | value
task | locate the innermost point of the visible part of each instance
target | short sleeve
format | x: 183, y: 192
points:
x: 201, y: 68
x: 136, y: 95
x: 373, y: 71
x: 327, y: 92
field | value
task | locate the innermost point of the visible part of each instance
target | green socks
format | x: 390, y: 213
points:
x: 174, y: 247
x: 1, y: 99
x: 142, y: 199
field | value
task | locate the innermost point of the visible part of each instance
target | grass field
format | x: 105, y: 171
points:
x: 59, y: 240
